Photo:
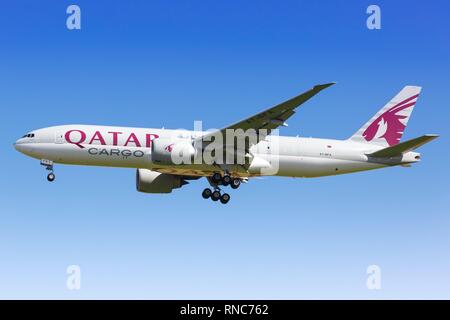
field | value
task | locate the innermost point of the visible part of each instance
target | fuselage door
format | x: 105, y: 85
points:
x: 59, y: 137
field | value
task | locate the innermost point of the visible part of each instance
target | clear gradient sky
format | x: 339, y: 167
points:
x: 168, y: 63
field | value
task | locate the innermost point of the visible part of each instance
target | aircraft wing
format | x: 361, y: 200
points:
x: 271, y: 118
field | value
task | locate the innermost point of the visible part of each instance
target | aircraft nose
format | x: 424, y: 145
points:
x: 20, y: 146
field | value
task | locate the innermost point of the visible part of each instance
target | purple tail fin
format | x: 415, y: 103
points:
x: 387, y: 126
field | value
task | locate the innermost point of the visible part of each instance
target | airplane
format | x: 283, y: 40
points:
x: 151, y: 151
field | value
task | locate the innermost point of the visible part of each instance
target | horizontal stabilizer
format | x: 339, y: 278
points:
x: 403, y: 147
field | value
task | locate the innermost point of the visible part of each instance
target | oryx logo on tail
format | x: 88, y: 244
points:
x: 387, y: 126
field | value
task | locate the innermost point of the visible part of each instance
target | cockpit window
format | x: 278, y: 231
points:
x: 29, y: 135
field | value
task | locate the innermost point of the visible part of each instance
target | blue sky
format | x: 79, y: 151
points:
x: 160, y: 63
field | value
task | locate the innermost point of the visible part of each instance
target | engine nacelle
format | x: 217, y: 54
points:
x: 155, y: 182
x: 169, y: 152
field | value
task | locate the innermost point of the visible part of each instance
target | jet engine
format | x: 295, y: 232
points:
x: 155, y: 182
x: 169, y: 152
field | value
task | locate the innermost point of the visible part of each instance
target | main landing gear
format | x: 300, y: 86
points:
x: 215, y: 195
x: 226, y: 180
x: 48, y: 164
x: 216, y: 180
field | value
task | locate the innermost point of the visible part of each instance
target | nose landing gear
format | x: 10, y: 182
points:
x: 48, y: 164
x: 51, y: 177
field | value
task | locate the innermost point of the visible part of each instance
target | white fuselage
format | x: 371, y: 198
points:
x: 132, y: 148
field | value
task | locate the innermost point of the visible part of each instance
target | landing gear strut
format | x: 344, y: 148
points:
x: 48, y: 164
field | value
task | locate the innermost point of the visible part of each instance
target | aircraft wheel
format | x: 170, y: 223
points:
x: 225, y: 198
x: 206, y: 193
x: 235, y: 183
x: 215, y: 195
x: 226, y: 180
x: 51, y: 177
x: 216, y: 177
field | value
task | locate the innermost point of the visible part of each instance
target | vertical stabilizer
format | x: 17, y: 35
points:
x: 386, y: 127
